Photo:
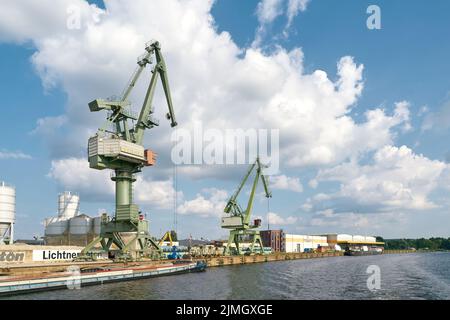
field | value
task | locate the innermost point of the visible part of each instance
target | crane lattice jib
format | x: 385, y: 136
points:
x: 144, y: 121
x: 119, y: 115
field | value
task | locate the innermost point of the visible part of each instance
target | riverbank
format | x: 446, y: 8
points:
x: 402, y: 251
x: 42, y: 268
x: 232, y: 260
x: 280, y: 256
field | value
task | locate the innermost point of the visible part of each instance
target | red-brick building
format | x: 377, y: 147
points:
x: 273, y: 239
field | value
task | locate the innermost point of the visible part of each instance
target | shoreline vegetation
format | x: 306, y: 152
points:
x: 422, y: 244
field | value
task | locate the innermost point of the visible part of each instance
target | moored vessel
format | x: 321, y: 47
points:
x: 78, y: 278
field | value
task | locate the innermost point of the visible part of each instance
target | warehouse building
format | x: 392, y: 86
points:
x: 303, y: 243
x: 273, y: 239
x: 293, y: 243
x: 346, y: 241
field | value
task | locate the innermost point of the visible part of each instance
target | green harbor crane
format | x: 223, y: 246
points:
x: 121, y: 149
x: 238, y: 220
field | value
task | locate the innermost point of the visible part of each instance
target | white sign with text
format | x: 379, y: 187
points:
x: 55, y: 255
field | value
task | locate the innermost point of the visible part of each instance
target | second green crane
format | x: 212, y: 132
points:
x: 238, y: 220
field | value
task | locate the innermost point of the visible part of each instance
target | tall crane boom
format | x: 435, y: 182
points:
x: 144, y: 121
x: 120, y: 116
x: 232, y: 207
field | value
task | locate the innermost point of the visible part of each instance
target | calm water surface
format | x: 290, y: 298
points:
x: 403, y: 276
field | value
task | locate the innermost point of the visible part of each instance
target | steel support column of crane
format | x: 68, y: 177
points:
x: 123, y: 180
x: 239, y: 220
x: 123, y: 152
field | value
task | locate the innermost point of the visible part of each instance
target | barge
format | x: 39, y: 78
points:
x: 78, y: 278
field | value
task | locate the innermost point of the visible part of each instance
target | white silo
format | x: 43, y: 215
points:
x: 7, y: 212
x: 80, y: 225
x: 56, y: 226
x: 68, y: 205
x: 97, y: 224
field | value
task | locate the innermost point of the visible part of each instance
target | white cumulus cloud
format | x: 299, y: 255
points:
x: 294, y: 7
x: 216, y: 82
x: 209, y: 203
x: 5, y: 154
x: 396, y: 179
x: 268, y: 10
x: 75, y: 175
x: 275, y: 219
x: 311, y: 110
x: 283, y: 182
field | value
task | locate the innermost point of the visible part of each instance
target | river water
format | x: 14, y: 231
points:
x: 402, y: 276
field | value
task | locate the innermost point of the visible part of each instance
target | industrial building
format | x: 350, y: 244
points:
x: 273, y: 239
x: 303, y: 243
x: 293, y: 243
x: 7, y: 213
x: 70, y: 227
x: 347, y: 241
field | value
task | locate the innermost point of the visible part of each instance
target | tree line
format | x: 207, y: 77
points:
x: 418, y: 244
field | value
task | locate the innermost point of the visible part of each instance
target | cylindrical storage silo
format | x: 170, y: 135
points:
x: 47, y: 221
x: 97, y: 222
x: 68, y: 205
x: 7, y: 210
x: 56, y: 226
x: 80, y: 225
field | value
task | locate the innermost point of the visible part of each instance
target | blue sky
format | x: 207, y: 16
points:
x: 405, y: 61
